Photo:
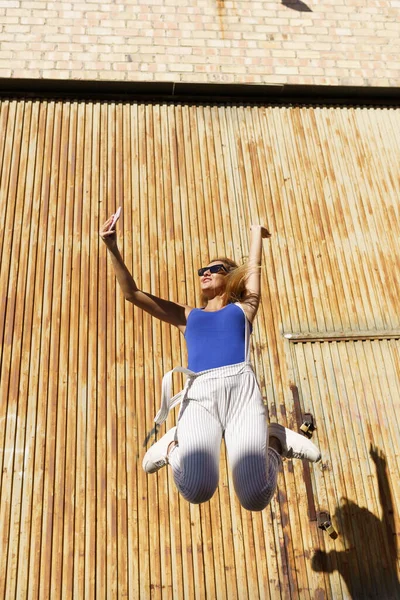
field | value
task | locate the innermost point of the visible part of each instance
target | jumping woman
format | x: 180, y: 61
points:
x: 221, y: 397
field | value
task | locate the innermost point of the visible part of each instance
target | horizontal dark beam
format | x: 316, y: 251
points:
x: 200, y: 92
x: 343, y: 336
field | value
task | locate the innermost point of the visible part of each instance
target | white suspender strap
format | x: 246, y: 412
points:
x: 167, y: 403
x: 246, y: 334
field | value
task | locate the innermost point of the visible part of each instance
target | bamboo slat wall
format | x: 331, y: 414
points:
x: 81, y: 370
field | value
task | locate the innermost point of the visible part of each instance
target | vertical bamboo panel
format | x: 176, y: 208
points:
x: 353, y: 391
x: 81, y: 369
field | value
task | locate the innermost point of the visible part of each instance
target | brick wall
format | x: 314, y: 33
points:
x: 325, y: 42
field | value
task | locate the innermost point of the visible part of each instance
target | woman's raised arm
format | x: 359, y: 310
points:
x: 165, y: 310
x: 253, y: 282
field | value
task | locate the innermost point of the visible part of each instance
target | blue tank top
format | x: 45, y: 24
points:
x: 215, y: 339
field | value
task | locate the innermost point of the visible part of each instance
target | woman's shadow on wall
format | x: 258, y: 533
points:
x: 369, y: 563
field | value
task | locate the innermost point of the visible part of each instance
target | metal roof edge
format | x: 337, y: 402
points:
x: 200, y: 92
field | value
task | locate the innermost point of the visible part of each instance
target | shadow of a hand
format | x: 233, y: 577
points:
x: 377, y: 456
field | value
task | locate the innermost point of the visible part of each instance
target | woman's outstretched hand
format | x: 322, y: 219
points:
x: 108, y: 232
x: 264, y: 231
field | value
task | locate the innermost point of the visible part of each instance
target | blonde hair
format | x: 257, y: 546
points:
x: 235, y: 290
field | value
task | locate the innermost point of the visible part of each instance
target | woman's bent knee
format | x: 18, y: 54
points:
x: 198, y: 490
x: 254, y: 503
x: 198, y: 496
x: 197, y: 478
x: 253, y: 485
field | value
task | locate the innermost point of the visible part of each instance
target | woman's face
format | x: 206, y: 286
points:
x: 213, y: 284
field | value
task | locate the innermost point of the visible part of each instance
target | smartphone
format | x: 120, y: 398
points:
x: 115, y: 218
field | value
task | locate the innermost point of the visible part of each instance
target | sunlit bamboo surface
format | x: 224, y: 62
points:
x: 81, y: 369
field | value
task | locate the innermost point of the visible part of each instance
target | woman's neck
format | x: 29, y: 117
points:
x: 215, y: 304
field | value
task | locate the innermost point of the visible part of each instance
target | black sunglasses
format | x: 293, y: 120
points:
x: 212, y: 269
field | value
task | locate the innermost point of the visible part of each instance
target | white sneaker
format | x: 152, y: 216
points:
x: 294, y: 445
x: 157, y: 455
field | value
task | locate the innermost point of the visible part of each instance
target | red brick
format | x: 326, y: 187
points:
x: 339, y: 41
x: 181, y: 67
x: 286, y: 70
x: 16, y: 28
x: 34, y: 4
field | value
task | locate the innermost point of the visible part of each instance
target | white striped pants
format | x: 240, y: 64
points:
x: 224, y: 402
